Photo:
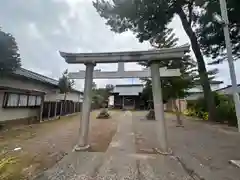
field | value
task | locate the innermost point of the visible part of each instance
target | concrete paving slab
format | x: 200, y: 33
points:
x: 118, y: 163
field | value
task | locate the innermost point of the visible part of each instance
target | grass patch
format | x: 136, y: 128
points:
x: 10, y: 168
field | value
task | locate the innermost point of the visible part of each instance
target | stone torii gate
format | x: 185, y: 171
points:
x: 152, y: 57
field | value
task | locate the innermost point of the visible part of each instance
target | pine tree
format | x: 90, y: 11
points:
x: 148, y: 18
x: 9, y: 53
x: 210, y: 32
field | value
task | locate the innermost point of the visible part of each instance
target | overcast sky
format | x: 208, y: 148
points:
x: 43, y: 27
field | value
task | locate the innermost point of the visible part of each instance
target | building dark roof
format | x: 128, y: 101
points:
x: 12, y: 89
x: 129, y: 85
x: 38, y: 77
x: 229, y: 86
x: 35, y: 76
x: 212, y: 82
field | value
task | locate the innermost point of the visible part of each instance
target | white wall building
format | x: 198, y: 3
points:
x: 23, y: 93
x: 197, y: 91
x: 228, y: 90
x: 126, y: 96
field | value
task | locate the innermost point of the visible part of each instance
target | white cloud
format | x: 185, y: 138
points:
x: 33, y: 31
x: 43, y: 27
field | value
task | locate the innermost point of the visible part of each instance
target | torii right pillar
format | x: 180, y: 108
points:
x: 159, y: 107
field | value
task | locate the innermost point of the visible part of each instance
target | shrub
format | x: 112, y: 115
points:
x: 225, y: 109
x: 190, y: 112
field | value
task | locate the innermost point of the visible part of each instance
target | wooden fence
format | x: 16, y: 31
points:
x: 53, y: 109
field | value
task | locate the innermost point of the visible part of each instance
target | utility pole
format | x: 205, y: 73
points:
x: 224, y: 14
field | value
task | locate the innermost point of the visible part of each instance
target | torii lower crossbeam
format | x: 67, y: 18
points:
x: 124, y: 74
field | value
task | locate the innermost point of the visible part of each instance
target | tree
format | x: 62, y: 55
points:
x: 100, y: 95
x: 210, y: 32
x: 173, y: 87
x: 9, y: 53
x: 149, y: 18
x: 109, y: 87
x: 65, y: 86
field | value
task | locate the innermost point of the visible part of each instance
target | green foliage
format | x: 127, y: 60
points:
x: 173, y: 87
x: 9, y: 53
x: 100, y: 96
x: 224, y: 106
x: 194, y: 113
x: 64, y: 83
x: 109, y: 88
x: 148, y: 20
x: 226, y: 110
x: 164, y: 39
x: 210, y: 32
x: 145, y: 18
x: 97, y: 100
x: 10, y: 169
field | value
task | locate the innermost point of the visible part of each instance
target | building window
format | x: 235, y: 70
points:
x: 38, y: 100
x: 23, y: 100
x: 13, y: 100
x: 32, y: 101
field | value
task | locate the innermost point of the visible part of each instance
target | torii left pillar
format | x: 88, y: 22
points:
x: 86, y: 108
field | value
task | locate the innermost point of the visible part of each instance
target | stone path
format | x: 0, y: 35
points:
x: 119, y: 162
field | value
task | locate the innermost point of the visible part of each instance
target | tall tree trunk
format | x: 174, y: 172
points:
x: 65, y: 97
x: 201, y: 64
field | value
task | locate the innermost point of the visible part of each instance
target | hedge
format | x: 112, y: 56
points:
x: 225, y: 109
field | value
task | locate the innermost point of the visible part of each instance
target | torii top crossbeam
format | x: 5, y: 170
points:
x: 128, y: 56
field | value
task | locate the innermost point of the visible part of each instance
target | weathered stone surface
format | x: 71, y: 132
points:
x: 103, y: 114
x: 150, y: 115
x: 203, y: 149
x: 76, y: 165
x: 118, y: 164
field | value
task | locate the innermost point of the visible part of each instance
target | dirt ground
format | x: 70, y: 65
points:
x: 42, y: 145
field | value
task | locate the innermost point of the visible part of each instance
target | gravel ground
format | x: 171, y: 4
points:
x: 42, y: 145
x: 202, y: 148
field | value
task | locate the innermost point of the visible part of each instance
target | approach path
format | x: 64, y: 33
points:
x: 121, y: 161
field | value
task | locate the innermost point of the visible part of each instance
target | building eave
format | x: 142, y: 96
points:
x: 19, y: 90
x: 229, y: 86
x: 129, y: 85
